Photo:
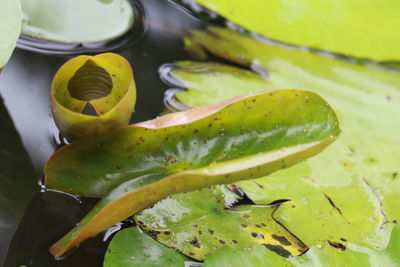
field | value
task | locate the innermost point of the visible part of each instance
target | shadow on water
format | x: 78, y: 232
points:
x: 25, y: 85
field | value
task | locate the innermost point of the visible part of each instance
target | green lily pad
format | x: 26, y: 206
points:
x: 10, y: 28
x: 359, y: 173
x: 93, y: 94
x: 217, y: 144
x: 321, y: 255
x: 131, y: 247
x: 366, y: 29
x: 76, y: 21
x: 17, y: 179
x: 198, y: 223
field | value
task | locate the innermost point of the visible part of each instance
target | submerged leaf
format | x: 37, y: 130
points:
x: 359, y: 173
x: 319, y: 256
x: 198, y: 223
x: 131, y: 247
x: 242, y: 138
x: 93, y: 94
x: 366, y: 29
x: 17, y: 180
x: 76, y: 21
x: 10, y: 28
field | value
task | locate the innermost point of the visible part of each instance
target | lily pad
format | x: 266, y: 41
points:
x: 131, y: 247
x: 76, y: 21
x: 217, y: 144
x: 321, y: 255
x: 200, y: 222
x: 367, y: 102
x: 93, y: 94
x: 10, y: 28
x: 17, y: 179
x: 366, y: 29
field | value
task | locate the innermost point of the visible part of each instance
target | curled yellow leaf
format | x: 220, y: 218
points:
x: 92, y: 94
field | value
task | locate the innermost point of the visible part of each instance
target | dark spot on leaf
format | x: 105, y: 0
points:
x: 195, y: 243
x: 281, y: 239
x: 196, y: 131
x: 243, y: 225
x: 263, y: 224
x: 192, y: 253
x: 258, y: 226
x: 337, y: 245
x: 200, y: 232
x: 222, y: 242
x: 278, y: 250
x: 234, y: 241
x: 211, y: 231
x: 246, y: 216
x: 255, y: 235
x: 167, y: 232
x: 258, y: 184
x: 343, y: 239
x: 394, y: 175
x: 302, y: 245
x: 388, y: 98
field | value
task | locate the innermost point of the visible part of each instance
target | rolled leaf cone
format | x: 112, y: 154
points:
x: 92, y: 94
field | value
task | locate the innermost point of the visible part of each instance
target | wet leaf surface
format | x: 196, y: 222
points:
x: 237, y: 129
x: 358, y: 174
x: 76, y: 21
x: 338, y: 26
x: 321, y: 255
x: 10, y: 28
x: 132, y: 247
x: 17, y: 180
x: 93, y: 94
x: 218, y: 144
x: 200, y: 222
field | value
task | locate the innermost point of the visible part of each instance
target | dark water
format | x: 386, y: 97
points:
x: 25, y: 85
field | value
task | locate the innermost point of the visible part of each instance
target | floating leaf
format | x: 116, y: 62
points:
x: 131, y: 247
x: 198, y: 223
x: 321, y: 255
x: 366, y: 29
x: 17, y: 179
x: 242, y: 138
x: 76, y: 21
x: 359, y: 173
x: 10, y: 28
x: 317, y: 213
x: 296, y: 122
x: 93, y: 94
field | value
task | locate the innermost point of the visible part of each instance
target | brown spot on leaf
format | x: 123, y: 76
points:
x: 195, y: 243
x: 337, y: 245
x: 278, y: 250
x: 255, y: 235
x: 281, y: 239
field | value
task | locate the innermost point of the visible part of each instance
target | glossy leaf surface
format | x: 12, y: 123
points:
x: 93, y: 94
x: 76, y: 21
x: 131, y: 247
x: 214, y: 137
x: 10, y: 28
x: 199, y: 222
x: 218, y: 144
x: 359, y: 173
x: 322, y: 255
x: 351, y: 27
x: 113, y: 208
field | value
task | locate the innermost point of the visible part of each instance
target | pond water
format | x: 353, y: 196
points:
x: 25, y: 85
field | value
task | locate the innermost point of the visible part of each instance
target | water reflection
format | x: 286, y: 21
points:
x: 25, y: 86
